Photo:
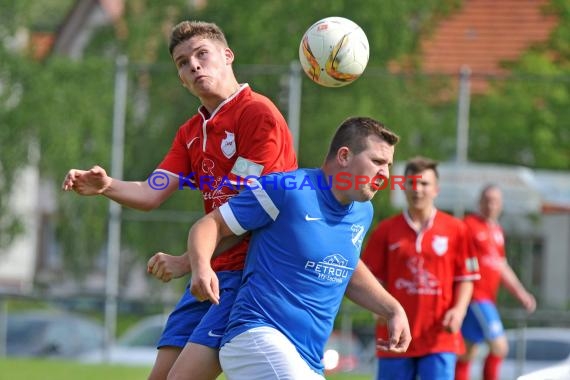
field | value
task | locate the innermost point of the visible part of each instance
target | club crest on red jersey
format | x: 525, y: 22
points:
x: 229, y: 145
x: 439, y: 244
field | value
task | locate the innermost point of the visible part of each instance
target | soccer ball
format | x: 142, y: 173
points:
x: 334, y: 52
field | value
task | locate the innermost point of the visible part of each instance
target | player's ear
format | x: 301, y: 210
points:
x: 229, y: 56
x: 343, y: 156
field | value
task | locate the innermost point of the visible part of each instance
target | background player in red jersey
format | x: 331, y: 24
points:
x: 422, y: 258
x: 482, y: 322
x: 236, y: 133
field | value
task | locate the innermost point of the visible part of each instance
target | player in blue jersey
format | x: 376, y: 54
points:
x: 307, y: 229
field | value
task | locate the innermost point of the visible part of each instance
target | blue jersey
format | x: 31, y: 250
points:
x: 304, y: 248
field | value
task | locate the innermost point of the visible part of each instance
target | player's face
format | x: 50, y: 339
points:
x: 373, y: 163
x: 204, y: 66
x: 491, y: 204
x: 422, y: 190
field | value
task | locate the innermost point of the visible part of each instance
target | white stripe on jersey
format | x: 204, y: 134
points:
x: 231, y: 220
x: 264, y: 199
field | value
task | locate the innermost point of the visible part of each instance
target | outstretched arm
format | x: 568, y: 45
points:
x: 133, y: 194
x: 365, y: 290
x: 516, y: 288
x: 203, y: 238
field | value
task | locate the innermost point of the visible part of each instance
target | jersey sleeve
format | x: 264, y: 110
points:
x: 253, y: 208
x: 374, y: 255
x: 176, y: 161
x: 466, y: 263
x: 264, y: 143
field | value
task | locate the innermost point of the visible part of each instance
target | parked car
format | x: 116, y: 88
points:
x: 557, y: 372
x: 51, y: 334
x: 539, y: 347
x: 137, y: 346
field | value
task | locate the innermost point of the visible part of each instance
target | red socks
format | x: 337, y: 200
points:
x: 491, y: 368
x: 462, y: 370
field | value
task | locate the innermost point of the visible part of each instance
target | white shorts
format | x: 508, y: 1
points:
x: 264, y: 353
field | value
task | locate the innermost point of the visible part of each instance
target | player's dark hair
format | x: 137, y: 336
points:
x: 188, y: 29
x: 418, y: 164
x: 354, y: 131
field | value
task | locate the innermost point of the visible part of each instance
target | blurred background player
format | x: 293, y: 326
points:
x: 303, y: 257
x: 422, y: 258
x: 235, y: 133
x: 482, y: 322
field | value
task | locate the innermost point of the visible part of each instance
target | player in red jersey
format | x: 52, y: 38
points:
x: 482, y: 322
x: 235, y: 134
x: 422, y: 258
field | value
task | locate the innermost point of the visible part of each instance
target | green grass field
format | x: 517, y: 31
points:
x: 24, y: 369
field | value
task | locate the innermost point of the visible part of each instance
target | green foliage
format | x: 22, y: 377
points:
x: 523, y: 121
x: 67, y: 106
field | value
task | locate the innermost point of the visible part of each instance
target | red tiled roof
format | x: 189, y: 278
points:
x: 483, y: 34
x: 40, y: 44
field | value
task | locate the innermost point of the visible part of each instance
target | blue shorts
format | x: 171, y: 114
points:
x: 482, y: 322
x: 201, y: 322
x: 438, y: 366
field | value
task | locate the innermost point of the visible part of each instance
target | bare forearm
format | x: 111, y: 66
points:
x: 462, y: 295
x: 516, y: 288
x: 204, y: 237
x: 366, y: 291
x: 511, y: 281
x: 135, y: 194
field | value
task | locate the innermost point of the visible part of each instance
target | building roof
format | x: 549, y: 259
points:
x: 482, y: 35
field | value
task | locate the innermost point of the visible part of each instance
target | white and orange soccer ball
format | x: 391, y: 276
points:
x: 334, y: 52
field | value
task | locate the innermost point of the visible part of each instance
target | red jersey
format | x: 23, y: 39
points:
x: 419, y: 268
x: 245, y: 135
x: 488, y: 243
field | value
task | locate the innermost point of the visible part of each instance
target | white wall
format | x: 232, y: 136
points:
x: 555, y: 291
x: 18, y: 261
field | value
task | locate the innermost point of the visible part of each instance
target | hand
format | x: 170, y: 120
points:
x: 205, y: 286
x: 165, y: 267
x: 528, y: 301
x: 453, y: 319
x: 87, y: 182
x: 398, y: 332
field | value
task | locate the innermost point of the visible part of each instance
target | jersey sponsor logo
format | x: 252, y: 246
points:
x: 188, y: 144
x: 332, y: 268
x: 357, y: 235
x: 217, y: 195
x: 493, y: 261
x: 421, y: 282
x: 439, y: 244
x: 229, y: 145
x: 310, y: 218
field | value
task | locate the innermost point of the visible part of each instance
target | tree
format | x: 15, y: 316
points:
x: 67, y: 106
